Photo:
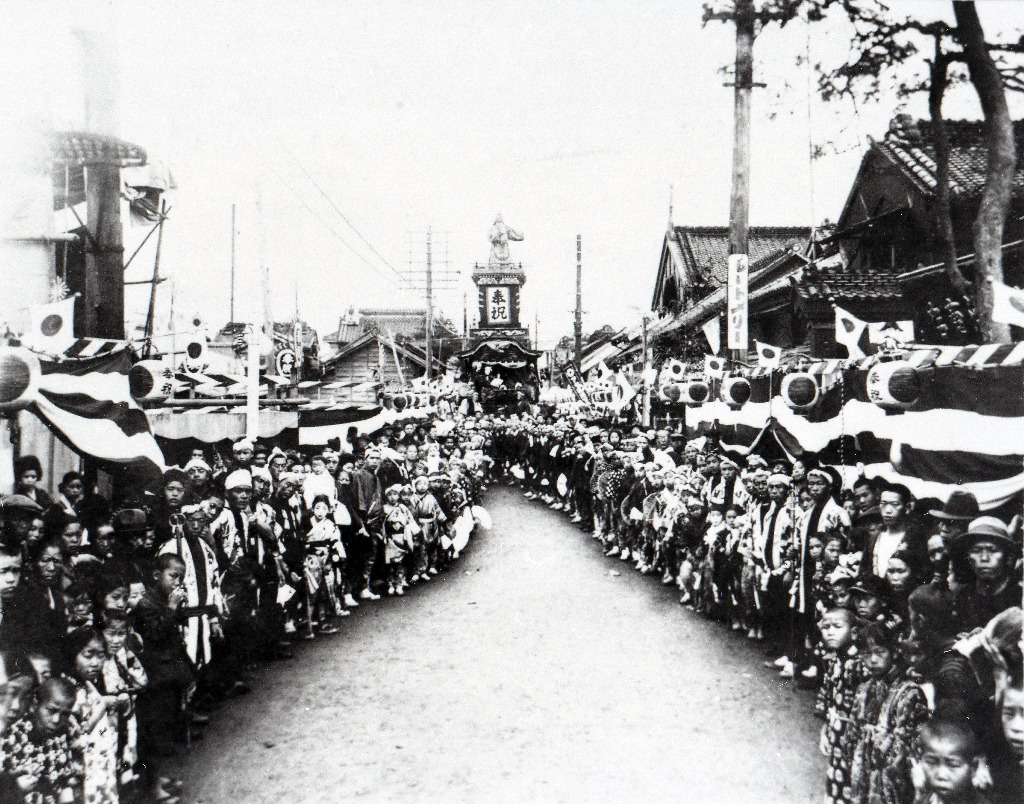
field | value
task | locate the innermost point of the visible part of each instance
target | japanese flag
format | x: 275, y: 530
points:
x: 768, y: 356
x: 714, y: 366
x: 623, y: 392
x: 713, y: 332
x: 52, y: 328
x: 850, y: 332
x: 1007, y: 304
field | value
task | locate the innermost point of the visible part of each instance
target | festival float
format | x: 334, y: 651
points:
x: 499, y: 364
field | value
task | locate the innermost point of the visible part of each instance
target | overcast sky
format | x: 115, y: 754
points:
x: 567, y: 118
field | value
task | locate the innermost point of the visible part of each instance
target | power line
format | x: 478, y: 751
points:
x: 340, y: 213
x: 329, y: 201
x: 333, y: 231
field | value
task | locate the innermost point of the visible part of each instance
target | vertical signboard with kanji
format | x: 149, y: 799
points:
x: 737, y: 304
x: 499, y: 305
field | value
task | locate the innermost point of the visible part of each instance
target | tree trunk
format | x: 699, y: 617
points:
x: 940, y: 141
x: 1002, y: 162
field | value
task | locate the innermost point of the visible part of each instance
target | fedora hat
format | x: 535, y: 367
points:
x: 961, y: 505
x: 987, y: 529
x: 19, y: 502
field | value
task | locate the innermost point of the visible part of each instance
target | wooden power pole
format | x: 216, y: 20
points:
x: 739, y: 206
x: 579, y: 302
x: 430, y: 305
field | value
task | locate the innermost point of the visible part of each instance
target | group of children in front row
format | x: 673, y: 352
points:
x: 117, y: 638
x: 68, y: 723
x: 917, y: 603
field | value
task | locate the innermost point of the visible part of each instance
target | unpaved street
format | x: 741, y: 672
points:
x: 528, y: 673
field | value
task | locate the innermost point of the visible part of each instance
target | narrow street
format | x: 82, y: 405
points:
x: 528, y: 673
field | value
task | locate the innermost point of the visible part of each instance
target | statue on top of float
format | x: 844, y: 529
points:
x: 499, y: 236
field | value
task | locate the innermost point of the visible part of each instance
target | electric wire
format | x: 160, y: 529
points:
x: 341, y: 214
x: 332, y: 230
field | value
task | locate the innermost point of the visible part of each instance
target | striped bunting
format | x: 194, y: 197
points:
x: 319, y: 426
x: 986, y: 356
x: 93, y: 347
x: 96, y: 415
x: 967, y: 428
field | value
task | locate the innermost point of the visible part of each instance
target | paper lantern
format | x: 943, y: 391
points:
x: 800, y: 391
x: 19, y: 378
x: 286, y: 363
x: 736, y: 391
x: 400, y: 402
x: 151, y: 379
x: 695, y: 392
x: 196, y: 357
x: 669, y: 392
x: 893, y: 385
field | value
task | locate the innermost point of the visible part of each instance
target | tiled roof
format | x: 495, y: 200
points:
x: 909, y: 145
x: 346, y: 333
x: 706, y: 248
x: 839, y: 283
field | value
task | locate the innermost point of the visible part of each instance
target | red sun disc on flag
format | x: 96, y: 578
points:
x: 15, y: 378
x: 51, y: 325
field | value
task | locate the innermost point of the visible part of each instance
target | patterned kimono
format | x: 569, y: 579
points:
x: 429, y: 516
x: 123, y: 673
x: 324, y: 554
x: 50, y: 759
x: 887, y: 713
x: 98, y: 747
x: 398, y: 520
x: 843, y: 675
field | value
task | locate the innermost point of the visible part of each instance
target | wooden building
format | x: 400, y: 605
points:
x: 690, y: 288
x: 882, y: 261
x: 888, y: 232
x: 371, y: 364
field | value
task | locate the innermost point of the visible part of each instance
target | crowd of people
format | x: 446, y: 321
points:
x: 903, y: 614
x: 126, y: 622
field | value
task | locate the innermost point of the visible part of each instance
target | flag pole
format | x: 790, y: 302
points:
x: 252, y: 385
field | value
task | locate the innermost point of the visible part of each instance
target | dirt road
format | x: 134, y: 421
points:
x: 527, y: 673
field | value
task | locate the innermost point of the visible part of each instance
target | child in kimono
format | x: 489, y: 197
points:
x: 124, y: 677
x: 843, y: 675
x: 96, y: 713
x: 399, y: 526
x: 37, y: 751
x: 430, y: 518
x: 887, y: 711
x: 324, y: 555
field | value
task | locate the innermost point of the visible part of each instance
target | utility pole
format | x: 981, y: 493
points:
x: 646, y: 411
x: 579, y: 301
x: 536, y: 330
x: 739, y: 206
x: 231, y: 318
x: 430, y: 304
x: 104, y: 255
x: 147, y: 348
